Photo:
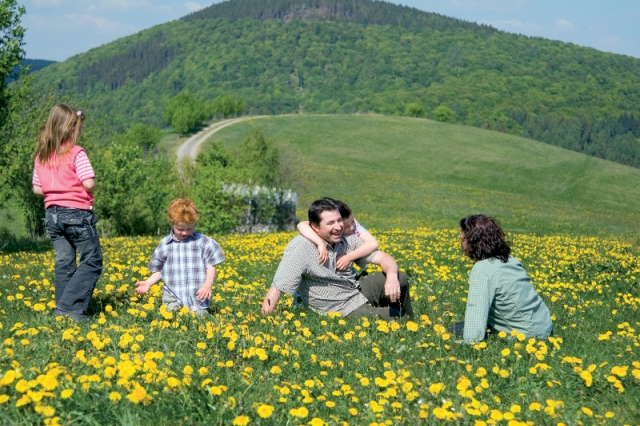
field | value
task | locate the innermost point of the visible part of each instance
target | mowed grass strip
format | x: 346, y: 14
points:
x: 404, y: 172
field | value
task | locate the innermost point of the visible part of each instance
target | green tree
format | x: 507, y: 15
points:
x: 443, y: 113
x: 277, y: 168
x: 184, y: 112
x: 220, y: 210
x: 28, y: 111
x: 226, y: 106
x: 259, y: 159
x: 133, y: 189
x: 11, y: 52
x: 414, y: 109
x: 144, y: 136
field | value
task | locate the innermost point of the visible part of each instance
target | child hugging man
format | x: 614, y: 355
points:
x: 185, y: 260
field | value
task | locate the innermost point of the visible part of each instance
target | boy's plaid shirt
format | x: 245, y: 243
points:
x: 183, y: 266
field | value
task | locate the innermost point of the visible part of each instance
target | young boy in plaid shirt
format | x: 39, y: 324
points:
x: 185, y: 260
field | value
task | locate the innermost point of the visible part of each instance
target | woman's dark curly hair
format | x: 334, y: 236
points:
x: 484, y: 237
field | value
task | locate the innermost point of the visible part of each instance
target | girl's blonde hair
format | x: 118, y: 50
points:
x: 59, y: 134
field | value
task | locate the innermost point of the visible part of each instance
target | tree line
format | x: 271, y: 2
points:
x: 185, y: 113
x: 365, y: 12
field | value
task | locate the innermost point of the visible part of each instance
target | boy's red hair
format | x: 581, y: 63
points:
x: 183, y: 210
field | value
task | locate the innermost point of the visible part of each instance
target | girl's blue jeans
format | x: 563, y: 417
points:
x: 73, y: 231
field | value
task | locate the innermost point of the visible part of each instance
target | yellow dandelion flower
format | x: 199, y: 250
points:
x: 412, y: 326
x: 137, y: 395
x: 496, y: 415
x: 435, y: 388
x: 276, y: 370
x: 265, y: 410
x: 301, y: 412
x: 24, y: 400
x: 241, y: 421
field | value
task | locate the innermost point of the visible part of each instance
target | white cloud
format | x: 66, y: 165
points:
x: 45, y: 3
x: 77, y: 23
x: 192, y: 6
x: 482, y: 5
x: 101, y: 24
x: 563, y: 25
x: 125, y: 4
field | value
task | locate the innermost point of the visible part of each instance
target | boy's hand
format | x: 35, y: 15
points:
x: 204, y: 293
x: 324, y: 255
x: 343, y: 262
x: 142, y: 287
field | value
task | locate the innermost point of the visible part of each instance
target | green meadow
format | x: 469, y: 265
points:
x: 572, y: 222
x: 405, y: 172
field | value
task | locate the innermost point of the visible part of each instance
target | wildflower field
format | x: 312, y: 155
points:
x: 138, y: 364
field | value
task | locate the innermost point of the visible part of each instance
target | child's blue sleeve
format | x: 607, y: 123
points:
x: 212, y: 253
x: 158, y: 258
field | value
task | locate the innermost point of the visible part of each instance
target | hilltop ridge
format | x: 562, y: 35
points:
x: 366, y: 12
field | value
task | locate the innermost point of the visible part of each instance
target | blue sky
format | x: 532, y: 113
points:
x: 59, y: 29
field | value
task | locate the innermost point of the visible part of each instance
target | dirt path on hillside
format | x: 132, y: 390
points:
x: 190, y: 147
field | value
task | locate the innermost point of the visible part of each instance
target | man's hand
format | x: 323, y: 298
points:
x: 142, y: 287
x: 204, y: 293
x: 392, y: 288
x: 267, y: 307
x: 390, y: 269
x: 270, y: 301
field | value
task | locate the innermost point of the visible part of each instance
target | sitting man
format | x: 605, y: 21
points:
x: 324, y: 289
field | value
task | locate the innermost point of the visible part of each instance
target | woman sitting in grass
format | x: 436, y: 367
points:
x: 501, y: 297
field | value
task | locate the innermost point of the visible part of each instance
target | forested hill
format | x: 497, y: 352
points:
x: 356, y: 56
x: 366, y: 12
x: 35, y: 64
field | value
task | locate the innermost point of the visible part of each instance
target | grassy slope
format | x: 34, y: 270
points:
x: 403, y: 172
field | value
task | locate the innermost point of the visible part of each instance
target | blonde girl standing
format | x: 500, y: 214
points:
x: 64, y: 176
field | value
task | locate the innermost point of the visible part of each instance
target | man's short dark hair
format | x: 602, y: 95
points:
x: 319, y: 206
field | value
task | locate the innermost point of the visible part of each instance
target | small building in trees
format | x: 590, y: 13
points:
x: 266, y: 209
